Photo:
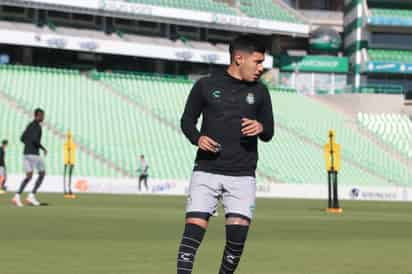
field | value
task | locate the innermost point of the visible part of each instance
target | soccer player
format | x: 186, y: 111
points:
x: 31, y: 139
x: 143, y: 174
x: 236, y: 112
x: 69, y: 157
x: 3, y: 171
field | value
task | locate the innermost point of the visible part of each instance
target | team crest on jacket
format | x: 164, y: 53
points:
x: 216, y: 94
x: 250, y: 98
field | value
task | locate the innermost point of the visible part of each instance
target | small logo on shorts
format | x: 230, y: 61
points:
x: 250, y: 98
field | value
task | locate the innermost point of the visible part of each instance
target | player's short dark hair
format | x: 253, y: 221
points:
x: 248, y: 43
x: 4, y: 142
x: 37, y: 111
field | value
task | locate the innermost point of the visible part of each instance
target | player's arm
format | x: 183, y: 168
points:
x: 265, y: 117
x: 191, y: 114
x: 38, y: 144
x: 263, y: 125
x: 43, y: 148
x: 24, y: 136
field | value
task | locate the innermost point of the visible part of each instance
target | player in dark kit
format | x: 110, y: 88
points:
x: 31, y: 138
x: 3, y: 170
x: 236, y: 112
x: 143, y: 173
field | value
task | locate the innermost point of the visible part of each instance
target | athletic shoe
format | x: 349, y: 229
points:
x: 16, y: 201
x: 31, y: 200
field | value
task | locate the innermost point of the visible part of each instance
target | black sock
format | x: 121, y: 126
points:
x: 235, y: 240
x: 23, y: 185
x: 191, y: 239
x: 38, y: 183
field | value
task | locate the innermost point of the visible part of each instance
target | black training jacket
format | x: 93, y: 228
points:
x: 31, y: 138
x: 223, y: 101
x: 2, y: 156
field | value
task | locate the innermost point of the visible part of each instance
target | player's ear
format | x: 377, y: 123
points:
x: 238, y: 59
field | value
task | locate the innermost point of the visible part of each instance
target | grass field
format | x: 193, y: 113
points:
x: 102, y: 234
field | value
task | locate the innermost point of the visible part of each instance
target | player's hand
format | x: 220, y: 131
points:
x: 45, y: 152
x: 251, y: 127
x: 207, y: 144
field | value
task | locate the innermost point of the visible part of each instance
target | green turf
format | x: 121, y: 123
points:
x: 105, y: 234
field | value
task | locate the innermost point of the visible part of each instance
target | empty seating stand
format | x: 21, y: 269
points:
x: 385, y: 55
x: 198, y: 5
x: 267, y: 9
x: 394, y: 129
x: 121, y: 115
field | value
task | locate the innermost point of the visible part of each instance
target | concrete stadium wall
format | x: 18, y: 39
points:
x: 352, y: 104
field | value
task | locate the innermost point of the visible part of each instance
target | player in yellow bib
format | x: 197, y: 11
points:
x: 69, y: 162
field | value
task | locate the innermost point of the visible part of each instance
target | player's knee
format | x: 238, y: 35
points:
x: 42, y: 174
x: 29, y: 175
x: 198, y: 221
x: 237, y: 219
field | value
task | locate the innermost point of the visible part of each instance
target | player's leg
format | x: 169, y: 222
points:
x: 239, y: 195
x: 3, y: 178
x: 28, y: 168
x: 40, y: 166
x: 17, y: 198
x: 64, y: 180
x: 24, y: 183
x: 71, y: 167
x: 145, y: 183
x: 202, y: 199
x: 31, y: 199
x: 140, y: 183
x: 39, y: 181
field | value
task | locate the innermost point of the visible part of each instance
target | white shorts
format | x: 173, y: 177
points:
x: 238, y: 194
x: 3, y: 172
x: 33, y: 162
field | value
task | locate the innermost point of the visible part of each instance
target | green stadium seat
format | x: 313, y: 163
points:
x: 394, y: 129
x: 166, y: 98
x: 101, y: 120
x: 385, y: 55
x: 313, y: 124
x: 120, y: 116
x: 12, y: 125
x: 198, y: 5
x: 397, y: 13
x: 267, y: 9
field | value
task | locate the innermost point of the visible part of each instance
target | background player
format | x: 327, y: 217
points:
x: 69, y: 155
x: 143, y: 173
x: 32, y: 160
x: 3, y: 171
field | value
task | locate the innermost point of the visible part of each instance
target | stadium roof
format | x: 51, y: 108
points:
x: 168, y: 15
